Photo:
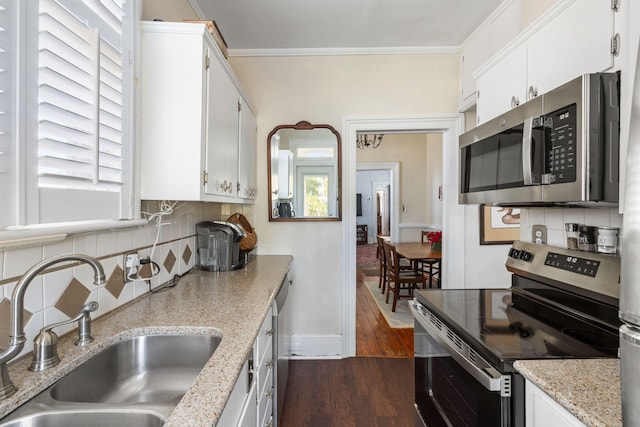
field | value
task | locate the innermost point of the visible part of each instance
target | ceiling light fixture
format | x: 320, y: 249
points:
x: 364, y: 140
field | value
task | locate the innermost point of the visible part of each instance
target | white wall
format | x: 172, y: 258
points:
x: 324, y: 89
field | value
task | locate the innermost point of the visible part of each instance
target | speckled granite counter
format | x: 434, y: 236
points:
x: 589, y: 388
x: 232, y: 304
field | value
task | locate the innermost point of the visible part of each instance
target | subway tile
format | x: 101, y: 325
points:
x: 58, y: 248
x: 54, y: 285
x: 554, y: 218
x: 536, y: 216
x: 573, y: 215
x: 107, y: 243
x: 597, y: 217
x: 18, y: 261
x: 125, y: 240
x: 141, y: 236
x: 86, y: 244
x: 107, y: 302
x: 33, y: 296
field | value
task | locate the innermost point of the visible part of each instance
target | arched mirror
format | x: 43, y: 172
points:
x: 304, y: 173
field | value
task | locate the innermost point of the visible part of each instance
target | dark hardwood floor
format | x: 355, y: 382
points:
x: 374, y: 337
x: 373, y: 389
x: 355, y: 392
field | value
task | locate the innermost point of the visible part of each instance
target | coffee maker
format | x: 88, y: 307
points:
x: 219, y: 245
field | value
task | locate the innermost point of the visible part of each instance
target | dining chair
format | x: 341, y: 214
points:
x: 383, y: 275
x: 430, y: 266
x: 402, y: 279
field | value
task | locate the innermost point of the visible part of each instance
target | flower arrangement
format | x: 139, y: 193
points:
x: 435, y: 239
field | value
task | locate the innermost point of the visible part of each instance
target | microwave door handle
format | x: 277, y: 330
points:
x: 527, y: 146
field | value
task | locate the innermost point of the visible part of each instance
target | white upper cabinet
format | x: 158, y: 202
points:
x: 247, y: 161
x: 572, y: 38
x: 503, y: 86
x: 198, y: 131
x: 575, y: 42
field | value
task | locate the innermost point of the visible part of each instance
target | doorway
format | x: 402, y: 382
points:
x: 453, y: 214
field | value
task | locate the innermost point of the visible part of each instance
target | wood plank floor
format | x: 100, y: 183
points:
x: 373, y: 389
x: 374, y: 337
x: 355, y: 392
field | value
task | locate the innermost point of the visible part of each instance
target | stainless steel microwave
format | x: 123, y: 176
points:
x: 560, y: 148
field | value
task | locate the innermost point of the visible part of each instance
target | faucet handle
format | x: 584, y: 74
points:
x: 45, y: 344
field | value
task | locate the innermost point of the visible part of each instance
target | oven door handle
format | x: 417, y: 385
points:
x: 488, y: 376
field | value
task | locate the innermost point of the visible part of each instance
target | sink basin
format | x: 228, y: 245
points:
x: 151, y: 368
x: 86, y: 418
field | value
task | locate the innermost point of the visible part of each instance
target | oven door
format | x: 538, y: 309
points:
x: 451, y: 391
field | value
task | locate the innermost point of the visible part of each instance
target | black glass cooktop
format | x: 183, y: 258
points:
x: 504, y: 325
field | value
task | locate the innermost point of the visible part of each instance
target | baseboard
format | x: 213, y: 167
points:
x: 316, y: 347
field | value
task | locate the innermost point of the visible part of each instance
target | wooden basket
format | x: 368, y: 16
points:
x: 248, y: 242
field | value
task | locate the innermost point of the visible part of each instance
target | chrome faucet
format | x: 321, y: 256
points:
x: 16, y: 327
x: 45, y: 344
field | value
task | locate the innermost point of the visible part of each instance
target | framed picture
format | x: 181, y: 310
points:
x: 499, y: 226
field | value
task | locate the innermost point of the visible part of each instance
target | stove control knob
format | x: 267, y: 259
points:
x: 526, y: 256
x: 514, y: 253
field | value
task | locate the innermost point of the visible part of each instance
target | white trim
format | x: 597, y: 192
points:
x: 394, y: 172
x: 316, y: 347
x: 401, y: 50
x: 453, y: 214
x: 420, y: 225
x: 30, y: 235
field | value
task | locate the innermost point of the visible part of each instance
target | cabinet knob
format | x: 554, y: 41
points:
x: 533, y: 92
x: 514, y: 101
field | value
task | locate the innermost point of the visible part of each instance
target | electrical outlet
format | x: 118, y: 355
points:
x: 130, y: 263
x: 539, y: 234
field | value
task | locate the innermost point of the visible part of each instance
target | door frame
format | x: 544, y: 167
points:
x: 394, y: 178
x: 450, y: 126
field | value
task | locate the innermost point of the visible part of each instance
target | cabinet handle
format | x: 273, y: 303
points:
x: 514, y: 101
x: 269, y: 363
x: 269, y: 394
x: 269, y: 333
x: 533, y: 92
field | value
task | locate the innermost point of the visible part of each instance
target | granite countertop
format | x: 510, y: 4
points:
x: 588, y: 388
x: 231, y: 304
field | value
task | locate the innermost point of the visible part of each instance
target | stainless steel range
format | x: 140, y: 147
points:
x: 562, y: 304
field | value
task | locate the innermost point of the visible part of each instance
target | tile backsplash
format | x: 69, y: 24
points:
x: 59, y: 294
x: 555, y: 218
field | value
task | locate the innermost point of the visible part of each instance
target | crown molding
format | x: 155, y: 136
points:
x: 417, y: 50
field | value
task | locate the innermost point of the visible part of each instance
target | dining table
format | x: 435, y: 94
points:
x: 417, y: 252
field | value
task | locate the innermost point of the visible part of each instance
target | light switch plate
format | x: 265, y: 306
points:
x: 539, y: 234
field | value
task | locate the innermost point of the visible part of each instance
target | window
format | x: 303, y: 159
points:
x: 74, y: 98
x: 316, y: 196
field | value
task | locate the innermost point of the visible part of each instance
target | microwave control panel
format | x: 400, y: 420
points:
x: 560, y: 145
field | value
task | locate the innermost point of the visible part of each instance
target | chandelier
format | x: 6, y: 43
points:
x: 364, y: 140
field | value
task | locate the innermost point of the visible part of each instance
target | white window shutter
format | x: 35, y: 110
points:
x: 81, y: 110
x: 8, y: 48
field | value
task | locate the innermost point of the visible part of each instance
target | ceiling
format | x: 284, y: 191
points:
x: 345, y: 24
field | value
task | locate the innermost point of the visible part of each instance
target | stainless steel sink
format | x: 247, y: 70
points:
x: 135, y: 382
x: 150, y: 368
x: 86, y: 418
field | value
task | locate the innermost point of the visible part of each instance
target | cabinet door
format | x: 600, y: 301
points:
x: 505, y: 81
x: 247, y: 154
x: 575, y: 42
x: 249, y: 416
x: 543, y: 411
x: 222, y: 132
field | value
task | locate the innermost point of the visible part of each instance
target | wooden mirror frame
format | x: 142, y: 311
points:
x: 304, y: 126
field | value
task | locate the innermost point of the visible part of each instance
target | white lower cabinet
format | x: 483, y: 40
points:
x: 543, y: 411
x: 251, y: 401
x: 264, y: 354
